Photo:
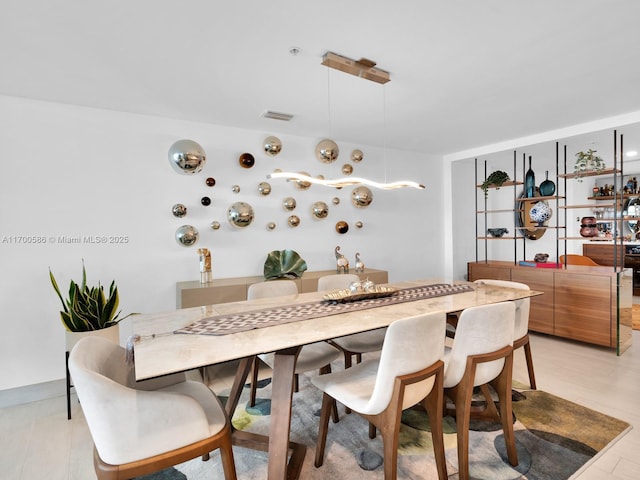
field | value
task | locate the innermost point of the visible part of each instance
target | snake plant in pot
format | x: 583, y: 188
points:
x: 89, y: 309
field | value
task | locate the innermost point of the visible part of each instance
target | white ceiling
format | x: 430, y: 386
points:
x: 464, y: 73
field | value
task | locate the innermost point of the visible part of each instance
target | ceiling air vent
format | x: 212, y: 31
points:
x: 286, y: 117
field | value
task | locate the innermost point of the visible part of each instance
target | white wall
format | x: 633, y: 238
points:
x: 72, y: 171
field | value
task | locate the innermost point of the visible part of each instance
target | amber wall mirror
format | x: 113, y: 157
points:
x: 527, y: 227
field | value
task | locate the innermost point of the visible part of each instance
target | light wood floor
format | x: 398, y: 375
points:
x: 38, y: 442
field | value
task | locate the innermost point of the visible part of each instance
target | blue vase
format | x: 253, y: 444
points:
x: 547, y: 188
x: 530, y: 182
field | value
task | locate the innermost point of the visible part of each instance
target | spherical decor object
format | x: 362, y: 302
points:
x: 540, y: 212
x: 357, y: 156
x: 187, y: 235
x: 347, y: 169
x: 272, y: 146
x: 327, y: 151
x: 210, y: 181
x: 302, y: 184
x: 187, y: 157
x: 215, y: 225
x: 206, y: 201
x: 271, y: 226
x: 235, y: 189
x: 342, y: 227
x: 335, y: 200
x: 359, y: 225
x: 289, y: 204
x: 293, y: 221
x: 179, y: 210
x: 361, y: 197
x: 320, y: 210
x: 240, y: 214
x: 264, y: 188
x: 246, y: 160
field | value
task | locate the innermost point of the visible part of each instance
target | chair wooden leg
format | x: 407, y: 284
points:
x: 502, y: 385
x: 529, y: 358
x: 390, y: 431
x: 228, y: 463
x: 463, y: 412
x: 327, y: 404
x: 254, y: 382
x: 334, y: 410
x: 348, y: 359
x: 462, y: 395
x: 434, y: 404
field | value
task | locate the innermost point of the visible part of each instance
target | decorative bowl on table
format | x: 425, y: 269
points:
x: 497, y: 232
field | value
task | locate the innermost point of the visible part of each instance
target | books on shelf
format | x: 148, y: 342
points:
x: 524, y: 263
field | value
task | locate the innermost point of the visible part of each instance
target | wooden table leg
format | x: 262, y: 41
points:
x: 277, y: 444
x: 238, y: 385
x: 281, y: 400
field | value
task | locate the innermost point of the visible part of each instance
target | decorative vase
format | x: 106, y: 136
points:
x: 530, y: 182
x: 111, y: 333
x: 540, y: 213
x: 588, y: 227
x: 547, y: 188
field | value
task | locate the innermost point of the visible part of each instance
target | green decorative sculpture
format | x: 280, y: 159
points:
x: 284, y: 264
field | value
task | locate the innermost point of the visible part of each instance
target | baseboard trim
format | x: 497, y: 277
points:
x: 32, y: 393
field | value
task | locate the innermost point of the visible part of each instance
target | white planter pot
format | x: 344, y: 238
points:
x: 111, y: 333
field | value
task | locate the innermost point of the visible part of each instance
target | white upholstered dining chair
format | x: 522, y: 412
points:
x: 315, y: 356
x: 409, y: 371
x: 481, y: 354
x: 521, y: 330
x: 358, y: 343
x: 137, y: 432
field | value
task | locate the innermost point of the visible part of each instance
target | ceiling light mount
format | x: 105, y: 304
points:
x: 363, y: 68
x: 285, y: 117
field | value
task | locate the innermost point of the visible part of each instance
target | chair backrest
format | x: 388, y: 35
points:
x: 410, y: 345
x: 117, y: 410
x: 482, y: 329
x: 574, y: 259
x: 272, y: 288
x: 100, y: 375
x: 339, y: 281
x: 522, y: 306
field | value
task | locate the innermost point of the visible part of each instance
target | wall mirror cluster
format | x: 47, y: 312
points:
x: 188, y: 157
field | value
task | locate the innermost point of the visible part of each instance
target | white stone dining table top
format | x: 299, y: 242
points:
x: 159, y: 351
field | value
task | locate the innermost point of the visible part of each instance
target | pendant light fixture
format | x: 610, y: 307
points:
x: 362, y: 68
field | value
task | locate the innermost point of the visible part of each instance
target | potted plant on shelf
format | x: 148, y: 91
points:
x: 495, y: 179
x: 587, y: 162
x: 88, y: 310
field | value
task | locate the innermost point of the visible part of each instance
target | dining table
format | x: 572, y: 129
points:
x: 192, y: 338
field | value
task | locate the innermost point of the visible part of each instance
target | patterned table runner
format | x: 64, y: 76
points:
x: 239, y: 322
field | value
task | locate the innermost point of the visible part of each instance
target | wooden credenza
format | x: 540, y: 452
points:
x: 221, y: 290
x: 588, y: 304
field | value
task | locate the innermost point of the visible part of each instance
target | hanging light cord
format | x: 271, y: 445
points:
x: 349, y: 181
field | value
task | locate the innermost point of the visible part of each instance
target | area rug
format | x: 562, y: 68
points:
x: 555, y: 438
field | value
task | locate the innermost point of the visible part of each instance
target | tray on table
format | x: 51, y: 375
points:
x: 346, y: 295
